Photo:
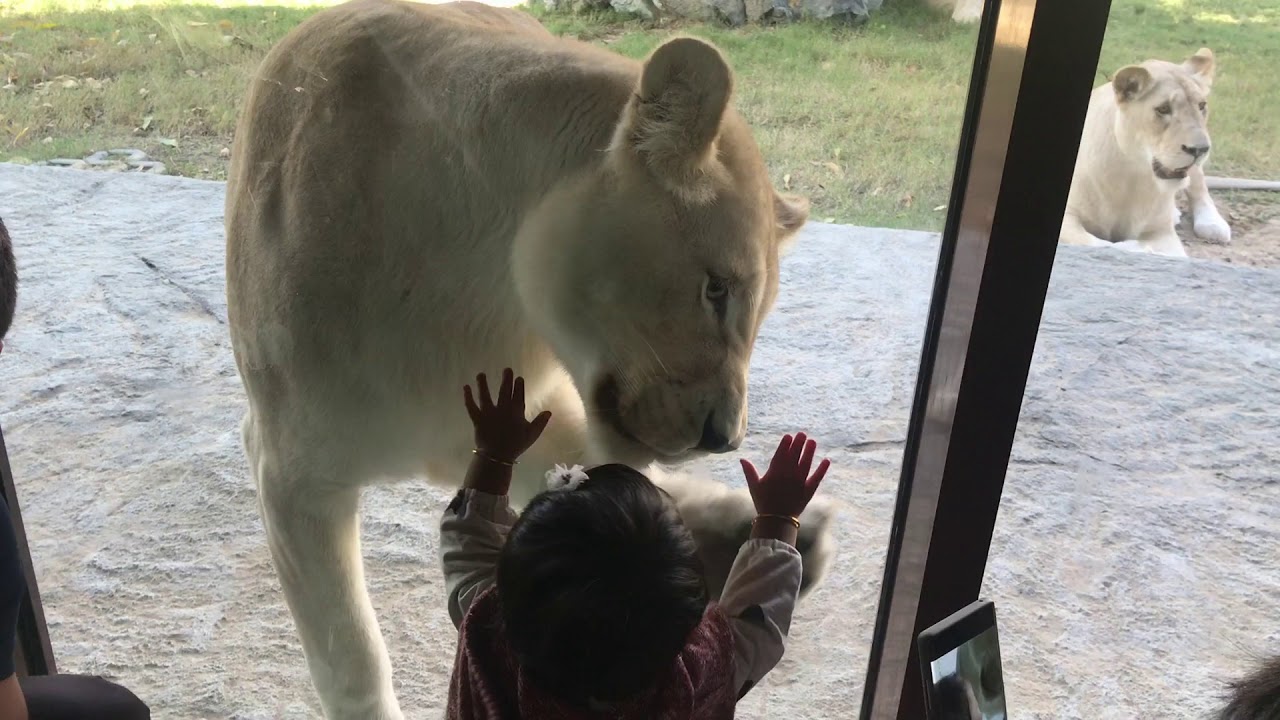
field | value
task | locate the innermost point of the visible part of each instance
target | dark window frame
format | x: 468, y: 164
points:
x: 1033, y: 73
x: 33, y: 654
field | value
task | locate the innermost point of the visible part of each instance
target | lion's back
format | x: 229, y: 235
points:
x: 349, y: 146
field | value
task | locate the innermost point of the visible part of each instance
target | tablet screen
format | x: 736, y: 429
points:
x: 968, y: 682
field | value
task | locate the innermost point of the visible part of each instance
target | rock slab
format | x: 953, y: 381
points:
x: 1135, y: 567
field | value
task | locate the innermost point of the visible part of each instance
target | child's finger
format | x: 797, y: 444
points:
x: 472, y: 410
x: 517, y: 396
x: 749, y: 471
x: 504, y: 392
x: 780, y: 455
x: 538, y: 425
x: 486, y: 400
x: 815, y: 480
x: 806, y: 459
x: 797, y: 447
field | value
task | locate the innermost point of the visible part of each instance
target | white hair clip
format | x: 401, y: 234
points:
x: 565, y: 478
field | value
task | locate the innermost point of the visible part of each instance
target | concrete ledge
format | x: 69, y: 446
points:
x: 1134, y: 564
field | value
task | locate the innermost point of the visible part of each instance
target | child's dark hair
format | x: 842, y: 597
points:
x: 8, y: 281
x: 600, y: 587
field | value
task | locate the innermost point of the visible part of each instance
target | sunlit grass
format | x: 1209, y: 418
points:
x: 60, y: 7
x: 863, y: 120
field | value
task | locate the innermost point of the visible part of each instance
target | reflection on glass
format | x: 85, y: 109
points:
x: 968, y: 683
x: 1134, y: 556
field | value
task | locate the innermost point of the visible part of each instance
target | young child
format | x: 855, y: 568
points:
x: 591, y: 604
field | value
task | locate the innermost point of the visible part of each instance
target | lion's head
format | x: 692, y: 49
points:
x: 1163, y: 112
x: 651, y: 273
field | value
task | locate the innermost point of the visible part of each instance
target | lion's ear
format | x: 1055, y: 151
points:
x: 673, y: 120
x: 1131, y: 82
x: 792, y: 212
x: 1202, y: 65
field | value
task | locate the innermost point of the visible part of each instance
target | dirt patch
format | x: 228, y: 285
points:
x: 1254, y: 218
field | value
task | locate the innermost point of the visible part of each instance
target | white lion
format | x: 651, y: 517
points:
x: 1145, y: 138
x: 420, y: 193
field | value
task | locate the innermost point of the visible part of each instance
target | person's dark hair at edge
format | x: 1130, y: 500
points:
x: 8, y: 281
x: 600, y: 587
x: 1257, y: 695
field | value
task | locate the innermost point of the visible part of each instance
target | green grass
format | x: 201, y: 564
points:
x: 862, y: 120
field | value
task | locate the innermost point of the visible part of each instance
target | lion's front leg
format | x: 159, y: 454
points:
x: 1074, y: 233
x: 1163, y: 242
x: 720, y: 519
x: 1206, y: 221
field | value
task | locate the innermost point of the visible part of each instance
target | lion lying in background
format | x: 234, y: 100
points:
x: 1145, y: 138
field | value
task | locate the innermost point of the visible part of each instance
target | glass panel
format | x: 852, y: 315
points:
x: 122, y: 400
x: 1134, y: 563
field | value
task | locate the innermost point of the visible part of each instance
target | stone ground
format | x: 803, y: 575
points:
x: 1134, y: 568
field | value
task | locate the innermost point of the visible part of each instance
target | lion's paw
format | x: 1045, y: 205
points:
x: 816, y: 544
x: 1210, y: 226
x: 720, y: 519
x: 1132, y: 246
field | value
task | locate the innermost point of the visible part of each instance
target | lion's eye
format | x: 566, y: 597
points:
x: 1203, y: 106
x: 717, y: 289
x: 1165, y: 109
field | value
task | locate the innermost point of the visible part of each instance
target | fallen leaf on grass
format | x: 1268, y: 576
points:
x: 839, y: 171
x: 786, y: 181
x: 168, y: 142
x: 193, y: 23
x: 940, y: 208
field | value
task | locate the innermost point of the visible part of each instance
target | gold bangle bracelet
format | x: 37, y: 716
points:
x: 486, y: 456
x: 789, y: 518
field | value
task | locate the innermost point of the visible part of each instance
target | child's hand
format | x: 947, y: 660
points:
x: 502, y: 433
x: 786, y: 488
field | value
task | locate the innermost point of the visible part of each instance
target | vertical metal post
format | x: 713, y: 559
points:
x: 1032, y: 76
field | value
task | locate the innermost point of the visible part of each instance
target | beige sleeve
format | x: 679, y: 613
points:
x: 759, y: 598
x: 473, y: 530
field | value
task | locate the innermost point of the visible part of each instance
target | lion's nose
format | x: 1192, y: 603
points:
x: 1195, y: 151
x: 714, y: 438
